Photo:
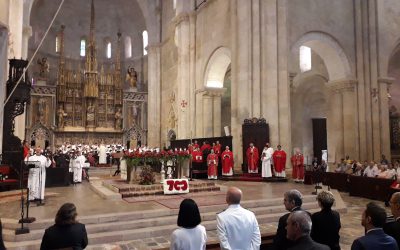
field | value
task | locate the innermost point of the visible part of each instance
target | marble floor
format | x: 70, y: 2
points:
x: 89, y: 203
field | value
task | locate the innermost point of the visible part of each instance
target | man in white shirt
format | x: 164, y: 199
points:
x: 372, y: 170
x: 237, y: 227
x: 37, y: 176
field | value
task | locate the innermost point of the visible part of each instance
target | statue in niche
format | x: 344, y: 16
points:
x: 60, y: 117
x: 90, y: 115
x: 42, y: 109
x: 131, y: 77
x: 118, y: 119
x: 11, y: 52
x: 44, y: 67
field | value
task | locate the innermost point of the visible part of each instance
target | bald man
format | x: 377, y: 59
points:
x: 37, y: 176
x: 392, y: 226
x: 237, y: 227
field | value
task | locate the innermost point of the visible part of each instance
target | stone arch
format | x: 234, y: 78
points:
x: 134, y: 135
x: 217, y: 66
x: 331, y: 52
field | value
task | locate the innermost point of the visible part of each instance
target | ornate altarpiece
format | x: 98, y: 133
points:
x: 86, y: 105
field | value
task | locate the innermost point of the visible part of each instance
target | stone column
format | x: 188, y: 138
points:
x: 154, y: 97
x: 341, y: 120
x: 207, y: 115
x: 182, y: 41
x: 384, y: 85
x: 217, y: 115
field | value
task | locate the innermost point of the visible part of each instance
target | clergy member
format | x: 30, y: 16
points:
x: 212, y: 163
x: 37, y: 176
x: 266, y: 159
x: 227, y: 162
x: 217, y: 148
x: 298, y: 166
x: 78, y: 166
x: 102, y: 154
x: 279, y: 158
x: 252, y: 159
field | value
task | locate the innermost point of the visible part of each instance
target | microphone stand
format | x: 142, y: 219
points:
x: 27, y: 219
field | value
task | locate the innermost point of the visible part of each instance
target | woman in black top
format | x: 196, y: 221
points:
x: 66, y: 232
x: 326, y: 223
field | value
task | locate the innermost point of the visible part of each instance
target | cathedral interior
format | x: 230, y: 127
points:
x: 323, y: 74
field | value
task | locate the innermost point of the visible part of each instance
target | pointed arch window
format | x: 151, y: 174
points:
x: 58, y: 43
x: 128, y: 47
x: 305, y: 58
x: 145, y: 42
x: 83, y: 47
x: 108, y: 48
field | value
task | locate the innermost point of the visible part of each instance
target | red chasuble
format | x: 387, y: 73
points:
x: 217, y: 149
x: 298, y: 166
x: 252, y: 159
x: 227, y: 161
x: 279, y: 158
x: 197, y: 156
x: 212, y: 162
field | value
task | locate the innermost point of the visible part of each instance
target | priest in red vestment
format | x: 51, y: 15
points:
x: 298, y: 166
x: 217, y: 148
x: 252, y: 159
x: 279, y: 159
x: 197, y: 156
x: 205, y: 146
x: 26, y: 149
x: 212, y: 163
x: 227, y: 162
x: 195, y: 144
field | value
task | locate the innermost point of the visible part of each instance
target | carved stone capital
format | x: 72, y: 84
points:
x: 209, y: 91
x: 386, y: 80
x: 342, y: 85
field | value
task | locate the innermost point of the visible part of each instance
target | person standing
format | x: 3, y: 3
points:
x: 252, y: 159
x: 279, y: 159
x: 212, y: 163
x: 292, y: 201
x: 102, y: 154
x: 37, y: 175
x: 66, y: 233
x: 373, y: 219
x: 266, y: 159
x: 27, y: 149
x: 237, y: 227
x: 298, y: 166
x: 326, y: 223
x: 190, y: 235
x: 78, y: 167
x: 392, y: 226
x: 298, y: 231
x: 227, y: 162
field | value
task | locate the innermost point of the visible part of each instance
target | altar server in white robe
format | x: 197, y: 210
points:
x: 266, y: 158
x: 102, y: 154
x: 37, y: 176
x: 78, y: 166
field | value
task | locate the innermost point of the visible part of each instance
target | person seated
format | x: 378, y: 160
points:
x: 359, y: 170
x: 342, y: 167
x: 372, y: 170
x: 326, y: 223
x: 383, y: 172
x: 190, y: 235
x: 66, y: 232
x: 391, y: 172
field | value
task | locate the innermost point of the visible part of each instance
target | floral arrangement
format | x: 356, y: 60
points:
x: 136, y: 158
x: 147, y: 176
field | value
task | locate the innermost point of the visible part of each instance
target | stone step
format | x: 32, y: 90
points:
x: 161, y: 192
x: 129, y: 222
x: 123, y: 234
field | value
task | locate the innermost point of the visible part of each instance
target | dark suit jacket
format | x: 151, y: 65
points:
x: 325, y: 228
x: 280, y: 240
x: 306, y: 243
x: 392, y: 228
x: 2, y: 247
x: 69, y: 236
x: 374, y: 240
